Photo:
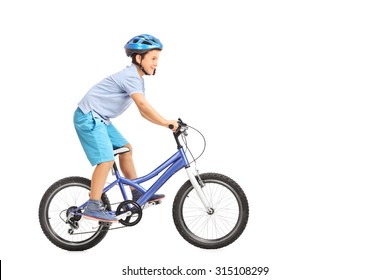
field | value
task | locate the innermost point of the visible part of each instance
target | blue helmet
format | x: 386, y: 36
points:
x: 141, y: 44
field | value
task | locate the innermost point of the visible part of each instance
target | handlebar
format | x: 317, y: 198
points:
x: 181, y: 129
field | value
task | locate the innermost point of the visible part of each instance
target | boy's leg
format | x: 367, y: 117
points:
x: 99, y: 178
x: 126, y: 164
x: 97, y: 145
x: 94, y: 209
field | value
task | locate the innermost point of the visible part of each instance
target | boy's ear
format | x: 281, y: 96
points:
x: 138, y: 58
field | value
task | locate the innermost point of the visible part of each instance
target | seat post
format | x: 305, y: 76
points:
x: 114, y: 169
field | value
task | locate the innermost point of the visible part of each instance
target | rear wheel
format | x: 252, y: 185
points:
x: 216, y: 228
x: 62, y: 224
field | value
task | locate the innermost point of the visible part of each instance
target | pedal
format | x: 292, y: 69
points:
x: 151, y: 203
x: 157, y: 202
x: 105, y: 224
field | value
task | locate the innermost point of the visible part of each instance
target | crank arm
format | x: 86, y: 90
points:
x: 125, y: 215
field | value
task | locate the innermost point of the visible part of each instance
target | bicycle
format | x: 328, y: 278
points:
x: 210, y: 210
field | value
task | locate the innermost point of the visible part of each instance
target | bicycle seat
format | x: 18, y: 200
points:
x: 121, y: 150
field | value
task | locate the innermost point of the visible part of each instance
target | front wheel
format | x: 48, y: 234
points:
x: 219, y: 227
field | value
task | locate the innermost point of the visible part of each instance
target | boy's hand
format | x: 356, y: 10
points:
x: 173, y: 125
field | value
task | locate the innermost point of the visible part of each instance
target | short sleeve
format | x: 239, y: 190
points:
x: 133, y: 85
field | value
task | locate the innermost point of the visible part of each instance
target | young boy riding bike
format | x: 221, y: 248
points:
x: 106, y: 100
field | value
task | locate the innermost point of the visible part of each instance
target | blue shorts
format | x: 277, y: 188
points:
x: 97, y: 138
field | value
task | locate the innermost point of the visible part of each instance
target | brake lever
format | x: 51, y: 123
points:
x: 184, y: 130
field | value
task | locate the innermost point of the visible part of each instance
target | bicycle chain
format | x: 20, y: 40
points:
x: 78, y: 233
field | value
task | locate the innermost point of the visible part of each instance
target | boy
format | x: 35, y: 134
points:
x: 108, y: 99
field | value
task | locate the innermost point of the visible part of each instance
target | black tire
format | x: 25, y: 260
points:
x: 224, y: 225
x: 65, y: 194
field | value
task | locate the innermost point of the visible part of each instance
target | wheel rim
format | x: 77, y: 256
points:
x: 57, y: 205
x: 224, y: 220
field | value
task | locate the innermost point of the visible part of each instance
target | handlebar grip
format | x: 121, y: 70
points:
x: 171, y: 126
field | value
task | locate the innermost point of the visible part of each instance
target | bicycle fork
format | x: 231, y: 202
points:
x: 199, y: 190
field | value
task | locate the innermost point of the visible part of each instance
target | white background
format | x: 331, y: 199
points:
x: 292, y: 97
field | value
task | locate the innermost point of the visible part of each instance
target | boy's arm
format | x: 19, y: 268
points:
x: 149, y: 113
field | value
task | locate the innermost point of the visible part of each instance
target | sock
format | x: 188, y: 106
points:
x: 93, y: 205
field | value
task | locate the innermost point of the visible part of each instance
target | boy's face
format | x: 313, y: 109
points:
x: 150, y: 61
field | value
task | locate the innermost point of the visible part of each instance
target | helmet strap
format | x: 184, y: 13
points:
x: 142, y: 68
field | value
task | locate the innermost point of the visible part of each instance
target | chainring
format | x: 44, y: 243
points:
x: 134, y: 216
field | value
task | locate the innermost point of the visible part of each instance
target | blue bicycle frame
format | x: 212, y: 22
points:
x: 172, y: 165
